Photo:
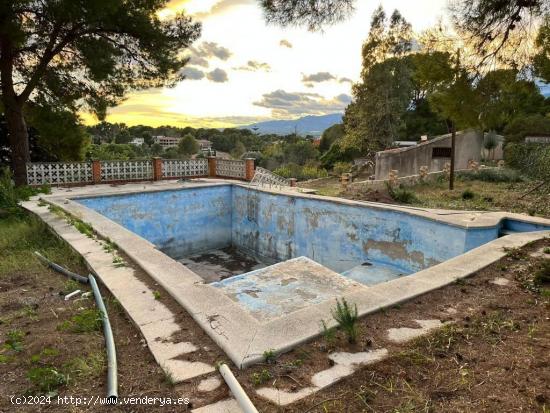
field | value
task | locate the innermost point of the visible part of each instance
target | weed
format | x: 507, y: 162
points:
x: 85, y: 321
x: 15, y: 340
x: 270, y: 356
x: 402, y: 194
x: 83, y: 227
x: 546, y: 250
x: 542, y: 275
x: 415, y: 357
x: 119, y: 262
x: 46, y: 379
x: 261, y: 377
x: 4, y: 359
x: 168, y: 377
x: 70, y: 286
x: 30, y: 311
x: 346, y: 316
x: 514, y: 253
x: 156, y: 295
x: 468, y: 194
x: 91, y: 366
x: 329, y: 334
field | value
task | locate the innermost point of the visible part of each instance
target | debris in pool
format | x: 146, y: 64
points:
x: 367, y: 264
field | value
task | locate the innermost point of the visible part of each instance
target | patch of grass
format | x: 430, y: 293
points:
x: 441, y: 341
x: 270, y: 356
x: 260, y: 378
x: 15, y: 340
x: 346, y: 317
x: 70, y: 286
x: 329, y: 334
x: 86, y: 321
x: 169, y: 377
x: 515, y: 253
x: 546, y: 250
x: 414, y: 356
x: 109, y: 246
x: 21, y: 236
x: 46, y: 379
x: 4, y: 359
x: 46, y: 352
x: 91, y: 366
x: 83, y: 227
x: 156, y: 294
x: 468, y: 194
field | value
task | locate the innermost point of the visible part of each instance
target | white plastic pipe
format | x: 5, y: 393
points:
x: 237, y: 390
x: 71, y: 295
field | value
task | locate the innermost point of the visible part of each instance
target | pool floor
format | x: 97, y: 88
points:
x: 219, y: 264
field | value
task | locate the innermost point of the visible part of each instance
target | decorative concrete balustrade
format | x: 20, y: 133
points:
x: 156, y: 169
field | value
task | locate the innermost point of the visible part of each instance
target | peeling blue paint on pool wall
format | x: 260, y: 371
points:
x: 279, y: 227
x: 179, y: 223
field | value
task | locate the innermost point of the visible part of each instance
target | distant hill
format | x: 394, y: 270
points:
x: 308, y: 125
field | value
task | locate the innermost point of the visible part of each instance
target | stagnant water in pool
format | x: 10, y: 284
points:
x: 224, y: 230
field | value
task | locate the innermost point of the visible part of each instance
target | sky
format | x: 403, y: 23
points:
x: 244, y: 71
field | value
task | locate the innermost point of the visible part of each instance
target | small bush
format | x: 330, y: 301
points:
x: 346, y: 316
x: 542, y: 276
x: 270, y: 356
x: 468, y: 194
x: 46, y: 379
x: 402, y: 194
x: 328, y: 333
x: 156, y: 295
x: 15, y: 340
x: 492, y: 175
x: 261, y: 377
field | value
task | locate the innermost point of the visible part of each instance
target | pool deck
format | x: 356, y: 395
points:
x: 243, y: 334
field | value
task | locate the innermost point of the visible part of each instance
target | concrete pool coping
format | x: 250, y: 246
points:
x: 233, y: 328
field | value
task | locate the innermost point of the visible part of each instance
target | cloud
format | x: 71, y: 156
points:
x: 290, y: 104
x: 254, y: 66
x: 192, y: 73
x: 201, y: 54
x: 217, y: 75
x: 285, y: 43
x: 222, y: 6
x: 318, y: 77
x: 345, y: 79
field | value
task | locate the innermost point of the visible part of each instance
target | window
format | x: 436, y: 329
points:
x: 441, y: 152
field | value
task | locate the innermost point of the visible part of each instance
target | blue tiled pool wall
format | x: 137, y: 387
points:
x: 278, y: 227
x: 179, y: 223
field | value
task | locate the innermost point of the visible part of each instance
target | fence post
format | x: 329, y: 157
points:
x: 157, y: 168
x: 96, y: 171
x: 292, y: 182
x: 211, y: 166
x: 249, y: 169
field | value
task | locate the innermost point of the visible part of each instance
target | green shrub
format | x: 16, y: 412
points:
x: 532, y: 159
x: 340, y: 168
x: 402, y: 194
x: 347, y: 317
x: 492, y: 175
x: 10, y: 195
x: 468, y: 194
x: 542, y: 276
x: 261, y: 377
x: 15, y: 340
x: 302, y: 173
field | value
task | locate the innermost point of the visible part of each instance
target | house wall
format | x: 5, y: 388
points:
x: 407, y: 161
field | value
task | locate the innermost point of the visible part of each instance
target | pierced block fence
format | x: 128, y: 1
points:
x: 156, y: 169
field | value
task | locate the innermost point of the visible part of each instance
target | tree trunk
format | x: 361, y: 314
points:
x: 18, y: 138
x: 453, y: 144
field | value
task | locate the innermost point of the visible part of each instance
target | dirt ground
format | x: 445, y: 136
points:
x: 493, y: 356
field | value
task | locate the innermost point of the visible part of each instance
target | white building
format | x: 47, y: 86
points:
x: 137, y: 141
x: 166, y: 141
